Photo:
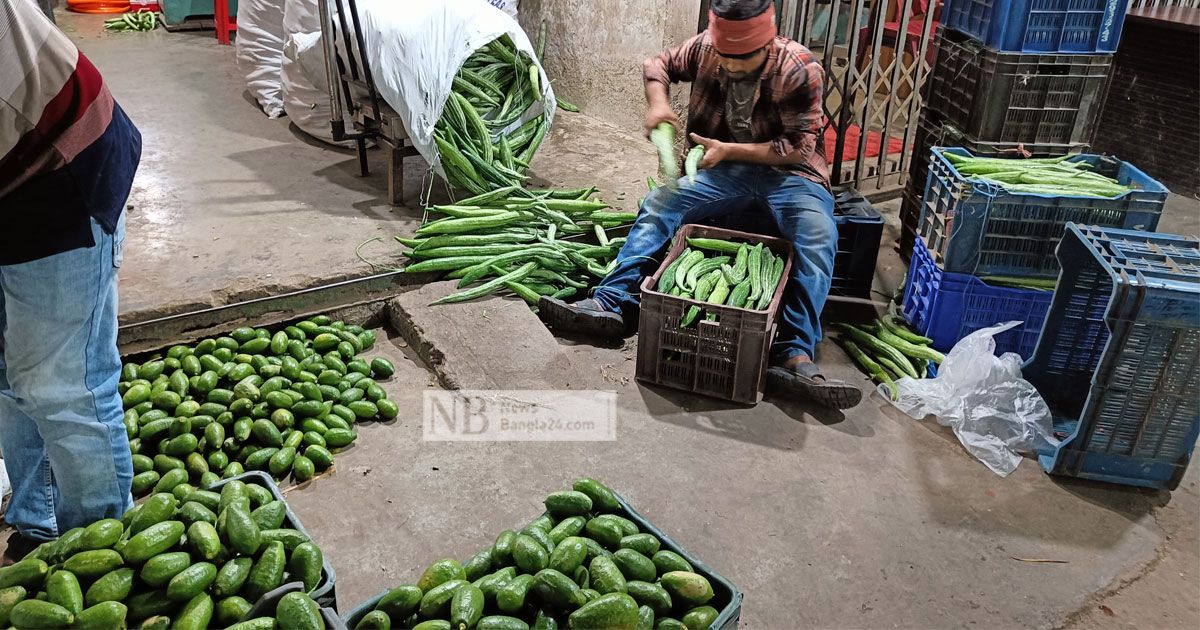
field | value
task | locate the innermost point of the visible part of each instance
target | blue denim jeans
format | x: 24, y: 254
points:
x: 746, y: 197
x: 61, y: 429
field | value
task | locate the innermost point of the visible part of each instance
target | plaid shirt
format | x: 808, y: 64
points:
x: 787, y: 106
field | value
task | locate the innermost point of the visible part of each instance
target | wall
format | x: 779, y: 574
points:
x: 1152, y: 114
x: 595, y: 49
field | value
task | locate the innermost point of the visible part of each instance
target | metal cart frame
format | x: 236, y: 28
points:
x: 352, y: 89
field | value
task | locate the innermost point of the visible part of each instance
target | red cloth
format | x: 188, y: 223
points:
x: 850, y: 149
x: 738, y: 37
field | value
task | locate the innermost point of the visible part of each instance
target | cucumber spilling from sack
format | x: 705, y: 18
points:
x: 486, y: 137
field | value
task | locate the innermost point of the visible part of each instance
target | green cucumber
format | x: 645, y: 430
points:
x: 614, y: 610
x: 529, y: 554
x: 567, y: 528
x: 700, y: 618
x: 93, y: 564
x: 466, y: 607
x: 511, y: 596
x: 569, y: 555
x: 634, y: 566
x: 297, y: 611
x: 436, y: 601
x: 62, y: 588
x: 666, y: 561
x: 650, y: 594
x: 230, y: 610
x: 113, y: 586
x: 203, y: 540
x: 196, y: 614
x: 35, y: 614
x: 605, y: 576
x: 305, y: 565
x: 106, y: 615
x: 231, y: 576
x: 604, y: 499
x: 101, y: 534
x: 401, y: 602
x: 159, y: 570
x: 568, y: 503
x: 191, y: 581
x: 687, y: 586
x: 556, y: 589
x: 267, y: 572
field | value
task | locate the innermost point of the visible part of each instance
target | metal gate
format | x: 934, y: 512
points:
x: 876, y: 55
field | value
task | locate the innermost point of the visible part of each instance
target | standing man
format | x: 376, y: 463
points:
x: 756, y: 107
x: 67, y: 158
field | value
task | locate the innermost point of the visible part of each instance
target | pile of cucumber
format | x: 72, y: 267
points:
x: 188, y: 559
x: 252, y: 400
x: 510, y: 238
x: 887, y: 349
x: 1043, y: 176
x: 580, y: 565
x: 722, y: 272
x: 479, y: 147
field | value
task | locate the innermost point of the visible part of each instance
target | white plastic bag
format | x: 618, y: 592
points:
x: 416, y: 48
x: 260, y: 51
x: 995, y: 413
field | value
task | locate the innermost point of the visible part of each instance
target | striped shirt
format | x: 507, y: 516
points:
x: 68, y: 153
x: 787, y: 109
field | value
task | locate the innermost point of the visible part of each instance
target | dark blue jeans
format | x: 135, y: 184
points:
x: 746, y: 197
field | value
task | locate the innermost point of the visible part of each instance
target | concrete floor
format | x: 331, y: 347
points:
x: 823, y: 519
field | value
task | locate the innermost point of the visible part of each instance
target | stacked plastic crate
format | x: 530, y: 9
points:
x: 1013, y: 78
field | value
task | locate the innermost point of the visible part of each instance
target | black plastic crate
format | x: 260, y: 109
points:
x: 1014, y: 97
x: 860, y: 228
x: 723, y: 358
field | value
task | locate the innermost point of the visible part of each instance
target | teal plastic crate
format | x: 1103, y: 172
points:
x: 1118, y: 361
x: 726, y: 597
x: 176, y: 11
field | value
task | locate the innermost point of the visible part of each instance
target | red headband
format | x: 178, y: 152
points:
x: 738, y: 37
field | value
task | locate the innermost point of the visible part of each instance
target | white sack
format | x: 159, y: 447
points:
x: 305, y: 92
x: 415, y: 48
x: 260, y: 51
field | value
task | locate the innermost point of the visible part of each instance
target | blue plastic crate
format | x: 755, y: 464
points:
x: 1040, y: 26
x: 978, y: 228
x: 946, y: 306
x: 1119, y: 359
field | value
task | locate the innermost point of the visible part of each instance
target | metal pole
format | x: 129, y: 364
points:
x: 337, y: 122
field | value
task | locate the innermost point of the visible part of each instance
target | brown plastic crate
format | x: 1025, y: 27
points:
x: 725, y: 358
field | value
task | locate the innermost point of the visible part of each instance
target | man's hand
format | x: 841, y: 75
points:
x: 715, y: 151
x: 658, y: 114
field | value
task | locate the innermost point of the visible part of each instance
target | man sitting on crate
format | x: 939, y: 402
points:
x: 756, y: 107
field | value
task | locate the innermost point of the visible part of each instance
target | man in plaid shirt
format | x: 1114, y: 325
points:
x: 756, y: 107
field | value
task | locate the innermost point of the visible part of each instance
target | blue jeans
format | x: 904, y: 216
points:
x: 61, y: 428
x: 751, y: 198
